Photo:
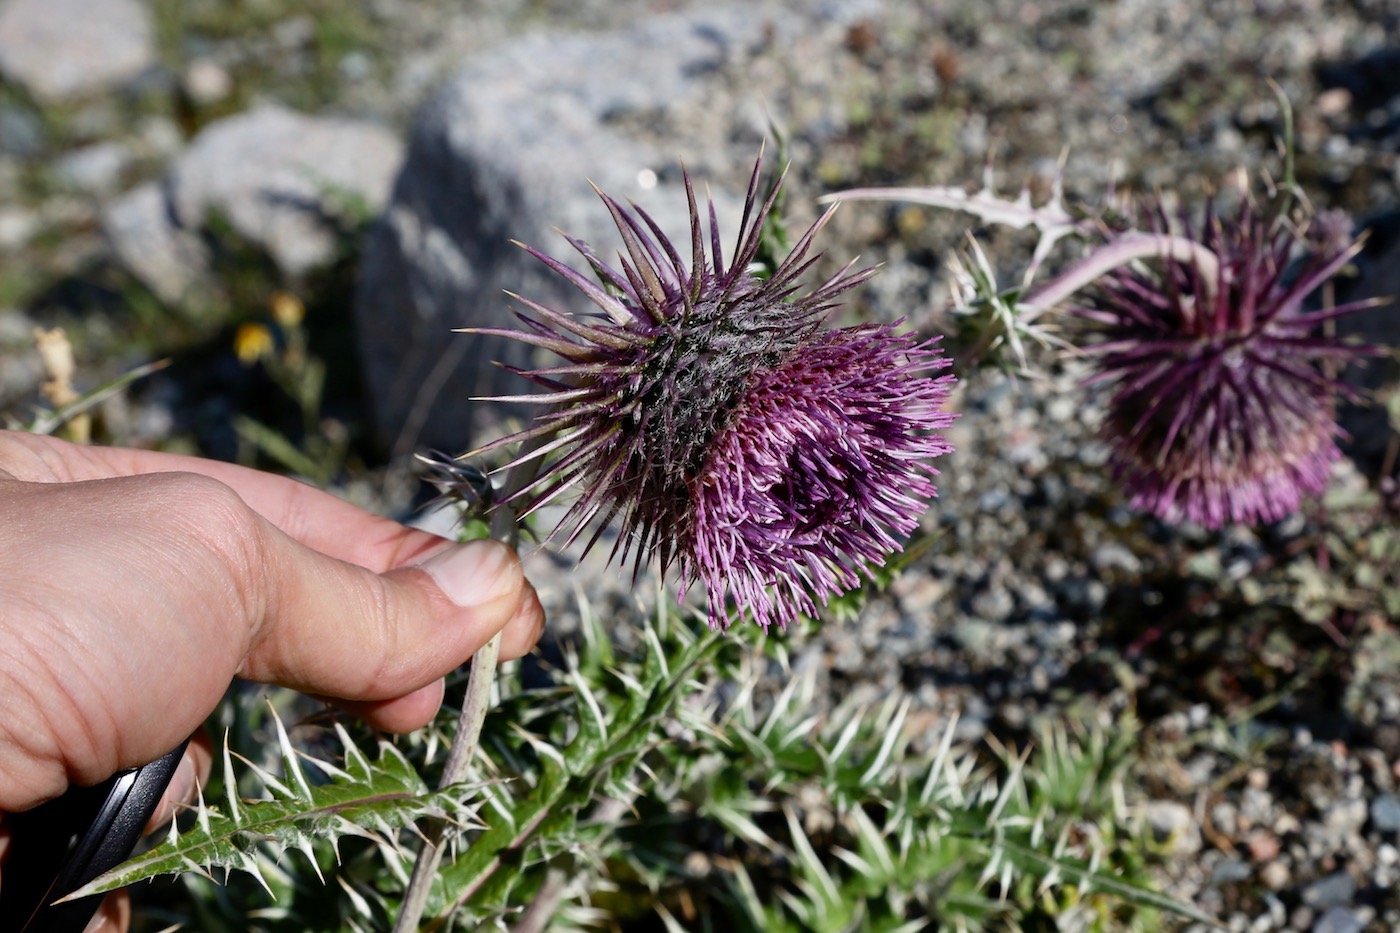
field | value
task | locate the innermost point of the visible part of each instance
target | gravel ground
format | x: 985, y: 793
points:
x: 1264, y: 676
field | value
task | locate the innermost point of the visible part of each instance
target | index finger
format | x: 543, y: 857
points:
x: 311, y: 516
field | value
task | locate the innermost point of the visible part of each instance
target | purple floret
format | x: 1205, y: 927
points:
x: 821, y: 474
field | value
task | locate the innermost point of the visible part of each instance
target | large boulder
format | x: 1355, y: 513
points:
x: 277, y: 174
x: 66, y: 49
x: 166, y: 257
x: 504, y: 151
x: 280, y: 178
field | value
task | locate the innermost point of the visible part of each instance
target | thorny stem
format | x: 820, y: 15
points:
x: 1121, y: 252
x: 505, y: 528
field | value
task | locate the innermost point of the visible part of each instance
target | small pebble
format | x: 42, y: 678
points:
x: 16, y: 327
x: 1062, y: 408
x: 17, y: 226
x: 1385, y: 813
x: 1230, y: 871
x: 1275, y: 876
x: 1173, y: 826
x: 1263, y: 846
x: 206, y: 83
x: 1114, y: 556
x: 159, y: 137
x: 1338, y: 920
x: 1094, y: 453
x: 1225, y: 818
x: 1257, y: 804
x: 21, y: 132
x: 357, y: 66
x: 1344, y: 818
x: 1276, y: 916
x: 94, y: 169
x: 993, y: 603
x: 1333, y: 102
x: 1334, y: 890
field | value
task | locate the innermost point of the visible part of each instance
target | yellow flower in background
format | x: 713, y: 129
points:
x: 287, y: 309
x: 252, y: 343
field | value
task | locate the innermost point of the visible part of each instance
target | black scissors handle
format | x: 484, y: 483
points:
x: 60, y: 846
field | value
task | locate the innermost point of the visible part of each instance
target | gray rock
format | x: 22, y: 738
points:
x: 1385, y: 813
x: 504, y: 151
x: 1082, y: 596
x: 1344, y: 819
x: 16, y: 328
x: 1335, y: 890
x: 1338, y: 920
x: 65, y: 49
x: 976, y: 635
x: 17, y: 225
x: 993, y: 603
x: 1113, y: 555
x: 279, y: 178
x: 1230, y: 871
x: 21, y: 374
x: 276, y: 174
x: 166, y: 258
x: 94, y: 169
x: 21, y: 133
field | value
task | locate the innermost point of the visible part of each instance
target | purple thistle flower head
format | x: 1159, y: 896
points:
x: 821, y: 472
x: 1219, y: 412
x: 707, y: 409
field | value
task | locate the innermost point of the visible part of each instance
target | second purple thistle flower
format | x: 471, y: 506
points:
x: 1220, y: 411
x: 707, y: 408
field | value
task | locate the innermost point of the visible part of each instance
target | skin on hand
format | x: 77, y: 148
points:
x: 137, y: 585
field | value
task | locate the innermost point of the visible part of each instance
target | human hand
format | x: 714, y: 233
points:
x: 136, y: 585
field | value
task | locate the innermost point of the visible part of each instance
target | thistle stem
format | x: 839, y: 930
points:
x: 506, y: 528
x: 1119, y: 253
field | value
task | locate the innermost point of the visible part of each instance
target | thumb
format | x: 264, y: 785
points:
x: 340, y: 630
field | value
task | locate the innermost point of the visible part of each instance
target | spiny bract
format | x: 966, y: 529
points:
x: 734, y: 435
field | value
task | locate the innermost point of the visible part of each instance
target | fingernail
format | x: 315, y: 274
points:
x: 475, y: 573
x: 182, y: 789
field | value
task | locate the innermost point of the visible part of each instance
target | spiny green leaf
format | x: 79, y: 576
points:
x: 1092, y: 880
x: 615, y: 731
x: 371, y: 800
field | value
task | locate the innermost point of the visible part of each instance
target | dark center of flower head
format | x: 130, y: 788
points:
x: 695, y: 373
